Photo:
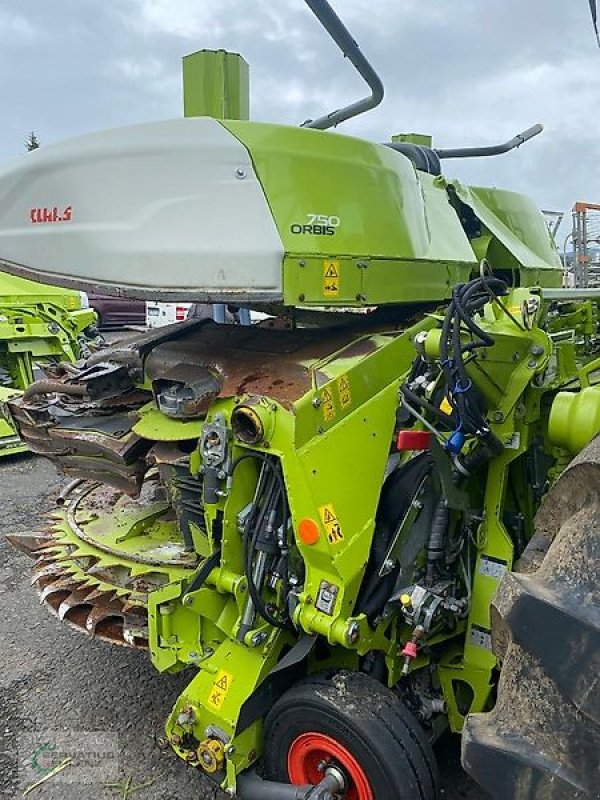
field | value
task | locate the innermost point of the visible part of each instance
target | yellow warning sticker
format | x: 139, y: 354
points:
x: 331, y: 524
x: 445, y: 406
x: 343, y: 385
x: 219, y: 689
x: 328, y: 405
x: 331, y: 278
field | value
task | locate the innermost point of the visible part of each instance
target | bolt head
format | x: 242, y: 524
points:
x: 240, y: 173
x: 187, y: 717
x: 353, y: 633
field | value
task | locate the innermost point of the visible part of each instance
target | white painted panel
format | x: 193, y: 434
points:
x: 169, y: 210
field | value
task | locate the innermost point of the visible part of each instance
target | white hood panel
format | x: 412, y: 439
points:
x: 169, y: 210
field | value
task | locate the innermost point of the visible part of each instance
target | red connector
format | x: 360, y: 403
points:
x: 414, y: 440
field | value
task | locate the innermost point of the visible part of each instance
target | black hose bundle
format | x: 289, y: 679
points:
x: 467, y: 300
x: 270, y: 511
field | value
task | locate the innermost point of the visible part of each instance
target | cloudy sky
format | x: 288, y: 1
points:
x: 467, y: 71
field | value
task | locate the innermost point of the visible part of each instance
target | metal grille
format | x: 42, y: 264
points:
x: 583, y: 265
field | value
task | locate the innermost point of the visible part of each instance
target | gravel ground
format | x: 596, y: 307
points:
x: 57, y: 687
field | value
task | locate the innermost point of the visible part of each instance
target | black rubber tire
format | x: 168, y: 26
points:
x: 368, y: 720
x: 542, y: 739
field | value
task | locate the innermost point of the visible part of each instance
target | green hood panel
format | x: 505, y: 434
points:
x: 516, y: 222
x: 336, y: 194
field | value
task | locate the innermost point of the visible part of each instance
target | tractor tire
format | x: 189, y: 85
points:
x: 361, y: 725
x: 542, y: 739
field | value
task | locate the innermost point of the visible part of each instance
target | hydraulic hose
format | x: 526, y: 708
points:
x: 436, y: 546
x: 467, y: 300
x: 49, y: 387
x: 415, y: 399
x: 275, y: 494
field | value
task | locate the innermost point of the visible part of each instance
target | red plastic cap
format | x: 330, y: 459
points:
x: 410, y: 650
x: 414, y: 440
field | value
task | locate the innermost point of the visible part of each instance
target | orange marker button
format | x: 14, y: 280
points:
x: 308, y: 531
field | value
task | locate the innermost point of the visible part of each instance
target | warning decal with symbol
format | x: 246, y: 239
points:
x: 219, y: 690
x: 331, y: 524
x: 331, y: 278
x: 328, y: 405
x: 343, y: 386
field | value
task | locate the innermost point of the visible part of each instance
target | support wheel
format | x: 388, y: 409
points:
x: 349, y: 721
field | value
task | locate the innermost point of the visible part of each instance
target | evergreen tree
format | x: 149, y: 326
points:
x: 32, y: 142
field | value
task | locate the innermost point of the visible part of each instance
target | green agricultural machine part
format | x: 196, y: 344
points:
x: 366, y: 519
x: 40, y: 326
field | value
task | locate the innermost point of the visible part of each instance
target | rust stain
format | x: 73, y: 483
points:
x: 257, y: 361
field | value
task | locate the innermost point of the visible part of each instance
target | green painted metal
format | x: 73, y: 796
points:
x: 315, y: 445
x: 575, y: 418
x: 333, y: 438
x: 519, y: 237
x: 421, y: 139
x: 37, y: 323
x: 333, y: 444
x: 17, y: 291
x: 154, y: 425
x: 216, y: 84
x: 360, y: 227
x: 394, y: 234
x: 10, y: 441
x: 372, y: 190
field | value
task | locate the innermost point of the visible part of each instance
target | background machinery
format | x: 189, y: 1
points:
x: 39, y: 326
x: 331, y: 514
